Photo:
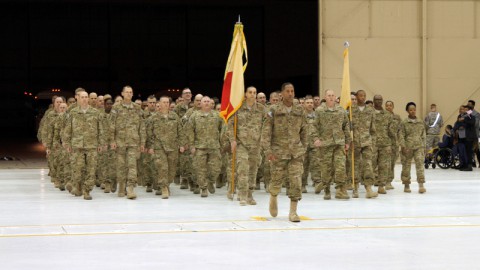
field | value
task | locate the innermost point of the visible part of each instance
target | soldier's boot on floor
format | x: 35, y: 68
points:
x: 184, y: 184
x: 165, y: 192
x: 273, y: 206
x: 355, y: 190
x: 218, y: 182
x: 131, y: 193
x: 407, y: 188
x: 370, y: 193
x: 327, y: 195
x: 341, y: 193
x: 292, y: 216
x: 114, y: 186
x: 56, y: 183
x: 176, y: 180
x: 381, y: 190
x: 389, y: 186
x: 196, y: 190
x: 304, y: 189
x: 211, y: 187
x: 421, y: 188
x: 107, y: 189
x: 318, y: 187
x: 121, y: 190
x: 77, y: 190
x: 69, y: 187
x: 61, y: 187
x: 149, y: 188
x: 250, y: 199
x: 102, y: 186
x: 242, y: 196
x: 204, y: 193
x: 257, y: 185
x: 86, y: 195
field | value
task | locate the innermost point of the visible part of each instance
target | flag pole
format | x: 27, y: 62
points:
x: 232, y: 177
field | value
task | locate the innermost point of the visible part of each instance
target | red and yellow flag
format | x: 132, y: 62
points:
x: 233, y: 84
x: 345, y: 98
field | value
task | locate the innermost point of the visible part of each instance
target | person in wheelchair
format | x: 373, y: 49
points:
x: 447, y: 152
x: 447, y: 139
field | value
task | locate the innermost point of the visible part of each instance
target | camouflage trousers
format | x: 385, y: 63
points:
x: 289, y: 171
x: 84, y: 166
x: 127, y: 165
x: 382, y: 161
x: 207, y: 166
x: 184, y: 166
x: 149, y: 171
x: 395, y: 154
x: 108, y: 166
x: 166, y: 166
x: 432, y: 141
x: 362, y: 160
x: 418, y: 155
x: 247, y: 161
x: 332, y: 165
x: 311, y: 165
x: 263, y: 173
x: 59, y: 163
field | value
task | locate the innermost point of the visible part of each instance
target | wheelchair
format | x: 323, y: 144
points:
x: 443, y: 157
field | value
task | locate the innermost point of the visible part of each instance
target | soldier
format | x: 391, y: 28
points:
x: 261, y: 98
x: 83, y: 139
x: 128, y: 140
x: 164, y: 141
x: 433, y: 124
x: 284, y: 140
x: 363, y: 125
x: 203, y: 133
x: 74, y: 105
x: 108, y: 154
x: 118, y: 100
x: 331, y: 133
x: 100, y: 102
x: 52, y: 141
x: 93, y: 99
x: 182, y: 107
x: 41, y: 125
x: 412, y: 143
x: 71, y: 101
x: 311, y: 162
x: 384, y: 135
x: 274, y: 98
x: 246, y: 143
x: 397, y: 121
x: 316, y: 102
x: 146, y: 171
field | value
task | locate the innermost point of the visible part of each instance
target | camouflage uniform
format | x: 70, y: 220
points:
x: 285, y: 136
x: 129, y: 135
x: 331, y: 127
x: 433, y: 129
x: 45, y: 125
x: 185, y: 159
x: 412, y: 138
x: 180, y: 110
x: 364, y: 131
x: 203, y: 132
x: 165, y: 137
x: 395, y: 144
x: 247, y: 156
x: 146, y: 164
x: 107, y: 158
x: 311, y: 162
x: 83, y: 134
x: 58, y: 154
x: 382, y: 154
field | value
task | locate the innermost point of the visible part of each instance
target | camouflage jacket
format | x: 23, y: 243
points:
x: 284, y: 133
x: 363, y: 126
x: 397, y: 122
x: 249, y: 125
x: 48, y: 117
x: 385, y: 128
x: 164, y: 131
x: 331, y: 127
x: 180, y: 110
x: 310, y: 117
x: 203, y: 130
x: 128, y: 125
x: 430, y: 121
x: 54, y: 132
x: 412, y: 134
x: 106, y: 121
x: 83, y: 129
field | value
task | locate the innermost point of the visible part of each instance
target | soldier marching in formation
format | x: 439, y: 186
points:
x: 117, y: 145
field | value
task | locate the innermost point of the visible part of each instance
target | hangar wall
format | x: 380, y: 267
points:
x: 426, y: 51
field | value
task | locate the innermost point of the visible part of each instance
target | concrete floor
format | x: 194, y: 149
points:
x: 44, y: 228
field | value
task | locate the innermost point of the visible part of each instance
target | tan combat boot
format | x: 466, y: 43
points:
x: 158, y: 192
x: 77, y: 190
x: 86, y: 195
x: 69, y: 187
x: 370, y: 193
x: 114, y: 186
x: 149, y: 188
x: 273, y: 206
x: 381, y: 190
x: 165, y: 192
x: 121, y: 190
x: 56, y: 182
x: 131, y: 193
x: 242, y: 196
x: 341, y: 194
x: 250, y: 199
x: 421, y: 188
x: 407, y: 188
x: 304, y: 189
x: 204, y: 193
x: 355, y: 190
x: 318, y: 187
x: 107, y: 188
x: 211, y: 187
x: 327, y: 195
x: 196, y: 190
x: 389, y: 186
x: 292, y: 216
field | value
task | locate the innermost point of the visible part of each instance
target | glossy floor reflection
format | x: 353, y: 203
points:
x: 44, y: 228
